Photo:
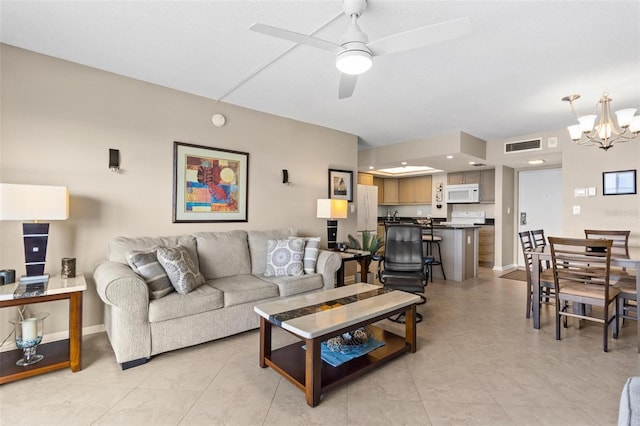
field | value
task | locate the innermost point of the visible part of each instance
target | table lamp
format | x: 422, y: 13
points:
x: 332, y: 209
x: 36, y: 203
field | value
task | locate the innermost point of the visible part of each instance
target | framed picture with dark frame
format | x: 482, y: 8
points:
x: 619, y: 183
x: 209, y: 184
x: 341, y: 184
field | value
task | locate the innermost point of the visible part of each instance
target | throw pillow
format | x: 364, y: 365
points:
x: 145, y: 263
x: 311, y: 250
x: 284, y: 257
x: 181, y: 269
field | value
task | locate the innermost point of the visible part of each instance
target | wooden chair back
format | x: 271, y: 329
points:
x: 620, y: 239
x: 538, y: 237
x: 574, y: 264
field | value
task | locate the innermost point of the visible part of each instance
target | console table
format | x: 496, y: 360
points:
x: 59, y: 354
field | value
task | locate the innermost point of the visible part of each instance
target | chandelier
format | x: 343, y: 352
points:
x: 605, y: 133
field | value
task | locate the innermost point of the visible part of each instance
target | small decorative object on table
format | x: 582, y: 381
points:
x: 68, y: 267
x: 29, y: 333
x: 350, y: 341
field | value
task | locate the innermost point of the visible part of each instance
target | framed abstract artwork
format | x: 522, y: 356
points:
x: 341, y: 184
x: 619, y: 183
x: 209, y: 184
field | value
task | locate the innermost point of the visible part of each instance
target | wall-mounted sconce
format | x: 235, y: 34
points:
x: 114, y: 160
x: 285, y: 177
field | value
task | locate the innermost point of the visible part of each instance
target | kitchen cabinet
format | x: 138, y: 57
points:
x: 365, y: 179
x: 459, y: 178
x: 487, y: 186
x: 390, y: 188
x: 423, y: 189
x: 486, y: 246
x: 414, y: 190
x: 379, y: 182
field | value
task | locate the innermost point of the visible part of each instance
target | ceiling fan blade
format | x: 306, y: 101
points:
x: 295, y: 37
x: 420, y: 37
x: 347, y: 85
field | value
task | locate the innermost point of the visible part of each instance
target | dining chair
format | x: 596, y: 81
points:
x: 539, y: 240
x: 582, y: 277
x: 546, y: 276
x: 628, y: 302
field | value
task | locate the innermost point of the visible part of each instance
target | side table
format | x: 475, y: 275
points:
x: 59, y: 354
x: 362, y: 257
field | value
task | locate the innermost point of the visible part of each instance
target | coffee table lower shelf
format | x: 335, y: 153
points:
x: 289, y: 361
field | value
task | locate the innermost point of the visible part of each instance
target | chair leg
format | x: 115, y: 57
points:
x: 440, y: 260
x: 557, y: 321
x: 529, y: 297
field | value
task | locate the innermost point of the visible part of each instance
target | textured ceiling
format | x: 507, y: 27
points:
x: 503, y: 80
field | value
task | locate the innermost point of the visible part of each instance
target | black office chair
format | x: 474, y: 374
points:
x: 403, y: 265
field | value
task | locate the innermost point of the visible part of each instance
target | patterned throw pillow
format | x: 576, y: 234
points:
x: 145, y: 263
x: 181, y: 269
x: 311, y: 247
x: 284, y: 257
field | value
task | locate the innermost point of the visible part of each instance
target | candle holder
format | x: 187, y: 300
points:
x: 29, y: 333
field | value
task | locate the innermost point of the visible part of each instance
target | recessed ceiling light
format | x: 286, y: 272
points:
x: 371, y: 167
x: 536, y: 162
x: 404, y: 163
x: 472, y: 163
x: 449, y: 157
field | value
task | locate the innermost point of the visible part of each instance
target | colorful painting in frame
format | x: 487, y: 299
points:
x: 210, y: 184
x: 341, y: 184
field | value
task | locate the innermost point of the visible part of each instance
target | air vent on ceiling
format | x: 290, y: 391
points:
x: 523, y: 146
x: 478, y: 164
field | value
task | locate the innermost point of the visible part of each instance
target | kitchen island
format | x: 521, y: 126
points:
x: 459, y: 249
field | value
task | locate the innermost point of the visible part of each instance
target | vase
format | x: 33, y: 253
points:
x: 29, y: 332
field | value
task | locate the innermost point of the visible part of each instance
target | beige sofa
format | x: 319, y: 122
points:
x: 233, y: 264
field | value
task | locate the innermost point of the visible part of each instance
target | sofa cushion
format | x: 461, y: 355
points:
x: 284, y: 257
x: 243, y: 289
x: 223, y: 254
x: 203, y: 299
x: 258, y: 246
x: 181, y: 269
x: 119, y: 246
x: 145, y: 263
x: 311, y: 247
x: 290, y: 285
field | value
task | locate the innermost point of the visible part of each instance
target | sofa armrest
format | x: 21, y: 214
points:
x: 328, y: 264
x: 118, y: 286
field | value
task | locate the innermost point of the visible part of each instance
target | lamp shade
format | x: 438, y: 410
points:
x: 332, y: 209
x: 33, y: 202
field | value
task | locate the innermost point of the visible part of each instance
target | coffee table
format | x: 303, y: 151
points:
x: 317, y: 317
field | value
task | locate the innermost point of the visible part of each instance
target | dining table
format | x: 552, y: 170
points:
x: 543, y: 253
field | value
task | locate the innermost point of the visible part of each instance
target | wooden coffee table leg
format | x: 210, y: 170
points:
x: 265, y: 341
x: 410, y: 327
x: 313, y: 365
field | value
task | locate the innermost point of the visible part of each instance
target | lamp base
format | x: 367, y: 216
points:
x: 332, y: 232
x: 36, y: 236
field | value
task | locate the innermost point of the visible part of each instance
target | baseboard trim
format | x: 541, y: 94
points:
x: 505, y: 267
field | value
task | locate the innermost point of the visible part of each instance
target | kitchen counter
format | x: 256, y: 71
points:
x: 459, y: 249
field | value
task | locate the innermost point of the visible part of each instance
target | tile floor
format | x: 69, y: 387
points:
x: 479, y: 361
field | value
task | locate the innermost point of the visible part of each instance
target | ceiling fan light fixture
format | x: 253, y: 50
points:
x: 354, y: 62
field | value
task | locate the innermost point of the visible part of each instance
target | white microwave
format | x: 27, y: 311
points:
x: 457, y: 194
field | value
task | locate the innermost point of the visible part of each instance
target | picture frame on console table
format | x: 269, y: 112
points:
x: 209, y: 184
x: 341, y: 184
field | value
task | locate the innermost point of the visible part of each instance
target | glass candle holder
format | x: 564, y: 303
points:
x: 29, y: 332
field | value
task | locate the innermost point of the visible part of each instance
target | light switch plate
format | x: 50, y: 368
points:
x: 591, y: 191
x: 576, y: 209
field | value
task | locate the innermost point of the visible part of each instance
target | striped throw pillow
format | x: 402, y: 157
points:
x: 145, y: 263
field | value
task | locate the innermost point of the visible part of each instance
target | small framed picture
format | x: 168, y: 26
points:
x: 341, y: 184
x: 619, y: 183
x: 210, y: 184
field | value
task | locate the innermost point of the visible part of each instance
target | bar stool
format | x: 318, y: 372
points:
x: 432, y: 240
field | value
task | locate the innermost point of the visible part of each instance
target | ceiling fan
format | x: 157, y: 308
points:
x: 354, y: 54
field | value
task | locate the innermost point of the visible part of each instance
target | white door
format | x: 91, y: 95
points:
x: 539, y: 203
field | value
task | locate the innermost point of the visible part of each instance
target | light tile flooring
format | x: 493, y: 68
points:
x: 479, y: 361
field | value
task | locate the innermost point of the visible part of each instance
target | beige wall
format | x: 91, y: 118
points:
x: 59, y: 119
